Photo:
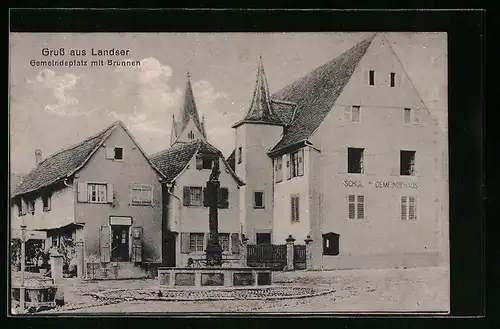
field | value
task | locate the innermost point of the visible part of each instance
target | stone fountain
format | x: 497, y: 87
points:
x: 211, y: 273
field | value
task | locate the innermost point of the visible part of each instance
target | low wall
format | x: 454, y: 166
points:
x: 214, y: 277
x: 357, y: 261
x: 120, y: 270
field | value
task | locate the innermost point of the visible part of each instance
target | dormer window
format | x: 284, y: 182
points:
x: 46, y: 200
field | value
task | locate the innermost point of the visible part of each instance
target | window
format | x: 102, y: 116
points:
x: 372, y: 77
x: 141, y: 194
x: 408, y: 208
x: 191, y: 135
x: 97, y: 193
x: 31, y: 207
x: 294, y: 204
x: 193, y: 196
x: 296, y: 163
x: 21, y: 209
x: 240, y: 154
x: 224, y: 241
x: 207, y: 162
x: 407, y: 163
x: 356, y: 206
x: 355, y: 160
x: 393, y: 79
x: 278, y: 167
x: 352, y: 113
x: 118, y: 153
x: 258, y: 199
x: 46, y: 201
x: 223, y: 197
x: 196, y: 242
x: 411, y: 116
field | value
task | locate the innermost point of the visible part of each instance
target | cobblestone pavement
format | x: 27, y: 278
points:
x: 397, y: 290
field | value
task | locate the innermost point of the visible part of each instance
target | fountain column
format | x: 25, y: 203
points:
x: 214, y: 250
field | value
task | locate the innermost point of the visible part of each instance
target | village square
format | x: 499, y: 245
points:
x: 333, y: 199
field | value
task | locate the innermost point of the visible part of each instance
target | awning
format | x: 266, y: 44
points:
x: 61, y: 227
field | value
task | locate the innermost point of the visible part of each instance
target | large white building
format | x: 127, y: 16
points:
x: 349, y: 155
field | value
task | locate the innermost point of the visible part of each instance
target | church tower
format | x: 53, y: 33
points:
x: 255, y: 135
x: 188, y: 126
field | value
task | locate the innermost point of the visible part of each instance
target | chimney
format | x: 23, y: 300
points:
x: 38, y: 156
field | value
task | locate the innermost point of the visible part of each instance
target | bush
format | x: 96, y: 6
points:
x: 15, y: 252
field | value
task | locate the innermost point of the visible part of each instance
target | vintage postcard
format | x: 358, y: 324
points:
x: 229, y: 172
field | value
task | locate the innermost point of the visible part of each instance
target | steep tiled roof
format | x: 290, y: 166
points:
x: 231, y: 159
x: 15, y: 181
x: 260, y: 110
x: 284, y: 110
x: 63, y: 163
x: 189, y: 110
x: 316, y: 93
x: 172, y: 161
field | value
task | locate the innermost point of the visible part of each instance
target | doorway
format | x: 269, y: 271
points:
x: 120, y: 243
x: 168, y: 252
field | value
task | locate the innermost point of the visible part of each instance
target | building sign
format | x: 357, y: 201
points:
x: 387, y: 184
x: 120, y: 220
x: 380, y: 184
x: 30, y: 235
x: 141, y: 194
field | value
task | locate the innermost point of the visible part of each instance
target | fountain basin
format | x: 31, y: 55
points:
x: 210, y: 277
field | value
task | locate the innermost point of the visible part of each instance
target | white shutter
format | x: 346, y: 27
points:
x: 347, y: 113
x: 109, y: 191
x: 82, y: 195
x: 110, y: 152
x: 416, y: 116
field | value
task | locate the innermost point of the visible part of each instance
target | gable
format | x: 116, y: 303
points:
x: 381, y: 58
x: 190, y: 133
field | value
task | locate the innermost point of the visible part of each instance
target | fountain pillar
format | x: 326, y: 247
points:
x: 214, y: 250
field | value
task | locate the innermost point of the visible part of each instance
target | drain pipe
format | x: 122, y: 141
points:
x: 65, y: 181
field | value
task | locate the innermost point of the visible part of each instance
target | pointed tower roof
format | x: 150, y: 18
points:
x: 260, y: 110
x: 189, y: 110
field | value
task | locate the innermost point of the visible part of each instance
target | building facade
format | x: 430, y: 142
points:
x: 103, y: 192
x: 187, y: 165
x: 358, y: 164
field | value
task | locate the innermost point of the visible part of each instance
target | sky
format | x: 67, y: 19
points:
x: 55, y: 107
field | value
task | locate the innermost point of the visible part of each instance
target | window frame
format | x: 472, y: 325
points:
x: 46, y: 206
x: 89, y: 192
x: 115, y: 148
x: 191, y: 189
x: 356, y: 206
x: 196, y: 244
x: 370, y: 71
x: 392, y: 79
x: 361, y: 160
x: 404, y: 207
x: 263, y: 205
x: 412, y: 164
x: 239, y: 154
x: 228, y: 235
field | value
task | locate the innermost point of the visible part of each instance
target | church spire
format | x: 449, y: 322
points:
x: 173, y: 130
x: 260, y: 107
x: 189, y: 110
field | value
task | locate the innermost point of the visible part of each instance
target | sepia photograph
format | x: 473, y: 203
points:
x: 261, y: 173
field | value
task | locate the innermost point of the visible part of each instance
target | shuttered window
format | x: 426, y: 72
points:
x: 294, y: 205
x: 97, y: 193
x: 193, y: 196
x: 408, y: 208
x: 296, y: 163
x: 356, y: 204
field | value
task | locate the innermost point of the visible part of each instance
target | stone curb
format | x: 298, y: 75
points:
x: 185, y: 299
